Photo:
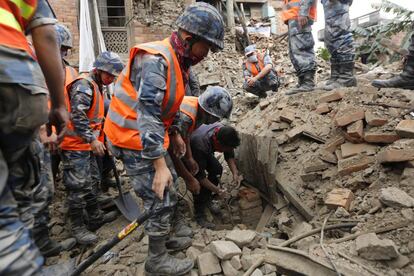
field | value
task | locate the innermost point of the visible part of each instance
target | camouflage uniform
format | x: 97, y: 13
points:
x: 23, y: 108
x: 149, y: 76
x: 301, y: 41
x: 338, y: 36
x: 80, y: 169
x: 269, y: 82
x: 193, y: 87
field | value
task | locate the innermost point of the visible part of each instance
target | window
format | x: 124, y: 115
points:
x: 112, y: 13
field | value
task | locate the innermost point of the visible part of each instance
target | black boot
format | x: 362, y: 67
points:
x: 160, y: 263
x: 335, y: 72
x: 307, y: 85
x: 79, y: 231
x: 178, y: 243
x: 346, y: 76
x: 47, y: 246
x: 405, y: 80
x: 96, y: 217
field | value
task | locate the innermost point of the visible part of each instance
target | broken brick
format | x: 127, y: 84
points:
x: 263, y: 104
x: 253, y: 212
x: 356, y: 129
x: 322, y: 108
x: 348, y: 116
x: 395, y: 155
x: 381, y: 137
x: 373, y: 119
x: 339, y: 198
x: 334, y: 144
x: 245, y: 204
x: 287, y: 115
x: 328, y: 157
x: 307, y: 177
x: 405, y: 129
x: 315, y: 165
x: 338, y: 154
x: 354, y: 164
x: 295, y: 132
x: 349, y: 149
x: 331, y: 97
x: 249, y: 194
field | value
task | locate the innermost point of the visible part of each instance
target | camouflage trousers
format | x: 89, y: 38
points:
x: 81, y: 177
x: 338, y: 36
x: 141, y: 172
x: 301, y: 45
x: 270, y: 82
x: 43, y: 192
x: 21, y: 113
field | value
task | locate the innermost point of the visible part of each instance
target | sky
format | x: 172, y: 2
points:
x: 358, y: 8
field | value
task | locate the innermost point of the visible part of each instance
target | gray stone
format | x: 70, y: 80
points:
x: 271, y: 274
x: 193, y: 272
x: 241, y: 237
x: 228, y: 269
x: 192, y: 253
x: 400, y: 262
x: 276, y: 242
x: 236, y: 263
x: 257, y: 272
x: 395, y: 197
x: 225, y: 249
x: 268, y: 268
x: 370, y: 247
x: 208, y: 263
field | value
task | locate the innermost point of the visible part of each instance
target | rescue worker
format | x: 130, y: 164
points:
x: 44, y: 189
x: 405, y: 79
x: 83, y: 141
x: 23, y: 109
x: 193, y: 87
x: 137, y: 124
x: 213, y: 105
x: 205, y: 141
x: 259, y: 75
x: 300, y: 15
x: 66, y: 43
x: 340, y: 43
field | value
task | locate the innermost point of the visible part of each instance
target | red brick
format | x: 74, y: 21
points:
x: 381, y: 137
x: 373, y: 119
x: 349, y: 149
x: 349, y: 116
x: 356, y: 129
x: 334, y: 143
x: 331, y: 97
x: 354, y: 164
x: 405, y: 129
x: 249, y: 194
x: 322, y: 108
x: 339, y: 198
x: 287, y: 115
x: 395, y: 155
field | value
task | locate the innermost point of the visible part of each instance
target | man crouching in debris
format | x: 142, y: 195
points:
x: 259, y: 75
x: 205, y: 141
x: 147, y: 98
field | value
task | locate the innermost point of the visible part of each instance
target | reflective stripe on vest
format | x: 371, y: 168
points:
x: 252, y: 66
x: 189, y: 107
x: 72, y: 141
x: 121, y: 126
x: 15, y: 15
x: 292, y: 7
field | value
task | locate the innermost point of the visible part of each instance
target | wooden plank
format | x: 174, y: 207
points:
x: 293, y: 198
x: 264, y: 219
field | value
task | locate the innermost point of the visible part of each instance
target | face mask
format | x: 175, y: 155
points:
x: 252, y: 58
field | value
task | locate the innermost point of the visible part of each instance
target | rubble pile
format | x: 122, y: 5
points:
x: 161, y: 14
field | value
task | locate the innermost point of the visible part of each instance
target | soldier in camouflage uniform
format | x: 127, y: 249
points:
x: 83, y: 141
x: 140, y: 138
x: 340, y: 43
x: 299, y: 15
x: 23, y: 109
x: 193, y: 87
x: 259, y: 75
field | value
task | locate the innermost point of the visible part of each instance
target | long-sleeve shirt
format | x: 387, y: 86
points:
x: 305, y: 6
x: 81, y: 98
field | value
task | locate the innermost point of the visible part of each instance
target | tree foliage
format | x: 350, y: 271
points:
x: 369, y: 38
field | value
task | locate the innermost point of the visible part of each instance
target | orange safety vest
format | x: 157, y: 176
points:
x: 121, y: 126
x: 70, y: 75
x: 189, y: 107
x: 291, y: 10
x: 252, y: 66
x: 72, y: 141
x: 15, y: 15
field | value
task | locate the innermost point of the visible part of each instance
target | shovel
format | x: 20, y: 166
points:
x: 124, y: 201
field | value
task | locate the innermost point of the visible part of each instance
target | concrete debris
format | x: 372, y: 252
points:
x: 241, y: 237
x: 257, y: 272
x: 228, y: 269
x: 405, y: 129
x: 236, y: 262
x: 225, y: 250
x: 395, y: 197
x: 208, y: 264
x: 370, y: 247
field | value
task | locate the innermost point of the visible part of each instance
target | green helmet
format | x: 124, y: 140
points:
x: 64, y: 36
x: 203, y: 20
x: 216, y: 101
